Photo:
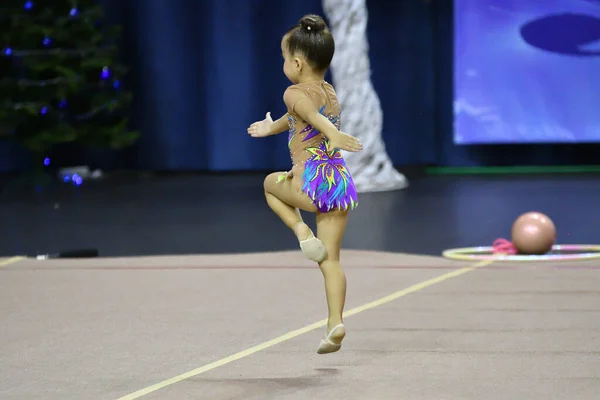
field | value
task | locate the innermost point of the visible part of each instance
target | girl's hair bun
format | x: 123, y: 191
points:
x: 313, y: 23
x: 311, y: 38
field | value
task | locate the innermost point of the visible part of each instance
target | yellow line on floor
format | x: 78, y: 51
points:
x: 291, y: 335
x: 11, y: 260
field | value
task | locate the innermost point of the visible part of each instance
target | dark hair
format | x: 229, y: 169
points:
x: 311, y: 37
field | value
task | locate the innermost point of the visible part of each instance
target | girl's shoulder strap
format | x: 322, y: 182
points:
x: 295, y: 93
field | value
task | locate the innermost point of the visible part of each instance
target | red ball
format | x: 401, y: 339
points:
x: 533, y: 233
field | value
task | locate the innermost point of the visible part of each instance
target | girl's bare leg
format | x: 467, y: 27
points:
x: 286, y: 199
x: 330, y: 230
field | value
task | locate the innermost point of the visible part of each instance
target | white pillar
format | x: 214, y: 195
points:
x: 362, y: 115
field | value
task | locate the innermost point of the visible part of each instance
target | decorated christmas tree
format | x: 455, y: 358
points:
x: 60, y: 79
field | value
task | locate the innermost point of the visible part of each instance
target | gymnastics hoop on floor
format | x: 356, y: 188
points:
x: 579, y: 252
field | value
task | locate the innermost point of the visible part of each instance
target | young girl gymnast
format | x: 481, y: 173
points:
x: 319, y: 180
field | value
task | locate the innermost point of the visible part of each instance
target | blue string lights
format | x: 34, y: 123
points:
x: 68, y: 88
x: 75, y: 179
x: 46, y: 41
x: 105, y: 72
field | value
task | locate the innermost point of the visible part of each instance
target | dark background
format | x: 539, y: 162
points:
x: 202, y: 70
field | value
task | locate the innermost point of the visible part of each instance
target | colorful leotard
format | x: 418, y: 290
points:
x: 323, y: 173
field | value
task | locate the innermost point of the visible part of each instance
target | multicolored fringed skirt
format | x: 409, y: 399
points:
x: 327, y: 181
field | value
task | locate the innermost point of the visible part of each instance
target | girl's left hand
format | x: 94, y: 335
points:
x: 261, y: 128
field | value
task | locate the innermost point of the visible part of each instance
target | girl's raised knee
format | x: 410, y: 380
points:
x: 269, y: 180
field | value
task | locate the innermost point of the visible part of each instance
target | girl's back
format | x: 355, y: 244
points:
x: 301, y: 134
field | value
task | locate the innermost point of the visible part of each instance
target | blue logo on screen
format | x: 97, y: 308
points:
x: 568, y: 34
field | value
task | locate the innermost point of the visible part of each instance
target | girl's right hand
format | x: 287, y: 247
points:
x: 261, y: 128
x: 343, y: 141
